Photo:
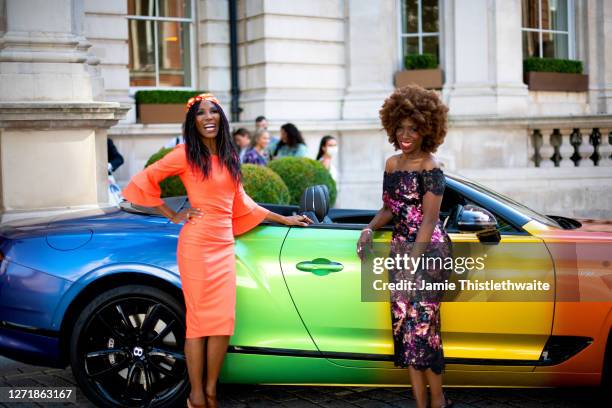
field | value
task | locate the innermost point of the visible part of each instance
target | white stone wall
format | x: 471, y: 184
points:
x: 483, y: 58
x: 594, y: 29
x: 543, y: 103
x: 327, y: 66
x: 213, y: 48
x: 292, y: 59
x: 314, y: 60
x: 34, y: 63
x: 372, y: 47
x: 582, y: 192
x: 137, y: 143
x: 53, y: 122
x: 106, y: 28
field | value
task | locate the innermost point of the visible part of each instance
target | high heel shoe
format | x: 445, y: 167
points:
x: 192, y: 405
x: 211, y: 401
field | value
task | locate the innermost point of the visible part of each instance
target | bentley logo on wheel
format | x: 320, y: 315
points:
x: 138, y: 352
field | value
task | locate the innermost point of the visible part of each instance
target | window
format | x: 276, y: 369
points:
x: 160, y: 34
x: 548, y: 29
x: 419, y: 28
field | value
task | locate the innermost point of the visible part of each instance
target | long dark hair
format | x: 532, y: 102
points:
x: 198, y: 155
x: 324, y: 140
x: 294, y: 137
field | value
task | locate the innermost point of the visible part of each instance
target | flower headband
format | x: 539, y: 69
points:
x: 201, y: 97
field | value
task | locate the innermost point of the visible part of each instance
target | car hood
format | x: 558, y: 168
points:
x: 585, y: 230
x: 591, y: 225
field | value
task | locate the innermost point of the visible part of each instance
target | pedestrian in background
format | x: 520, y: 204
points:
x: 242, y: 140
x: 291, y: 143
x: 115, y: 159
x: 328, y: 150
x: 261, y: 123
x: 257, y: 154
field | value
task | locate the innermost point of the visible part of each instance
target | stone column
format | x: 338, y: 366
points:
x: 596, y: 28
x: 370, y: 57
x: 292, y: 59
x: 52, y: 131
x: 483, y: 58
x: 106, y: 29
x: 214, y: 49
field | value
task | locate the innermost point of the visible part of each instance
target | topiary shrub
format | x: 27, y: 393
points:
x: 172, y: 186
x: 263, y: 185
x: 298, y: 173
x: 420, y: 61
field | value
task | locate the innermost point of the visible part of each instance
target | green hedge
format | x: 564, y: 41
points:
x: 420, y: 61
x: 172, y: 186
x: 552, y: 65
x: 263, y: 185
x: 298, y: 173
x: 164, y: 96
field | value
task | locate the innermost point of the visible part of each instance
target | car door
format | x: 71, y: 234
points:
x: 322, y: 272
x: 323, y: 275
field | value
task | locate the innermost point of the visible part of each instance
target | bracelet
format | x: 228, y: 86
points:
x: 367, y: 229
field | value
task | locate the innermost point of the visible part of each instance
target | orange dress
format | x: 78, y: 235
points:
x: 205, y: 253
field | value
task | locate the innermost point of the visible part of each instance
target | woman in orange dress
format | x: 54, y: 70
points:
x: 209, y: 167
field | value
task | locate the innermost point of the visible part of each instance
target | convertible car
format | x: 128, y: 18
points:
x: 100, y: 291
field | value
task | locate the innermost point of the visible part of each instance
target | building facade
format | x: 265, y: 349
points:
x: 328, y: 65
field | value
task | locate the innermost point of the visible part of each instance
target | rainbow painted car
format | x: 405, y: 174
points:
x: 100, y: 291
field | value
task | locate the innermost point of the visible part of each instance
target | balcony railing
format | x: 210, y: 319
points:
x: 581, y: 143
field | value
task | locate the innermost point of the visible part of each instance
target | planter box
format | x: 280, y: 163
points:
x: 427, y: 78
x: 161, y: 113
x: 556, y: 81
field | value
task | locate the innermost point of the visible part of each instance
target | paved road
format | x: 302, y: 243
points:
x: 247, y: 396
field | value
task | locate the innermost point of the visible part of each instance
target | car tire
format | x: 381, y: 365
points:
x: 126, y: 349
x: 606, y: 374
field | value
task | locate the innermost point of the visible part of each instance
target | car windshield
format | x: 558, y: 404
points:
x: 510, y: 202
x: 175, y: 203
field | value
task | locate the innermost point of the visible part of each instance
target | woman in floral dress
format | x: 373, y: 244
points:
x: 416, y: 121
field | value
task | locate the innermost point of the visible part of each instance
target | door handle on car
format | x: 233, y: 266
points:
x: 320, y: 266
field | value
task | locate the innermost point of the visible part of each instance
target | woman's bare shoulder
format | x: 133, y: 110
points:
x: 391, y: 163
x: 430, y: 162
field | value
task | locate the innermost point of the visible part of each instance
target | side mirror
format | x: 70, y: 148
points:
x: 474, y: 219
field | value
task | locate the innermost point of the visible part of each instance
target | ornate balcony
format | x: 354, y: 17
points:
x: 571, y: 142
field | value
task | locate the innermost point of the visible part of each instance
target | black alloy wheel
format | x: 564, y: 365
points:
x: 127, y: 346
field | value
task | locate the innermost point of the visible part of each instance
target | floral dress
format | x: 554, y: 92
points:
x: 415, y: 315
